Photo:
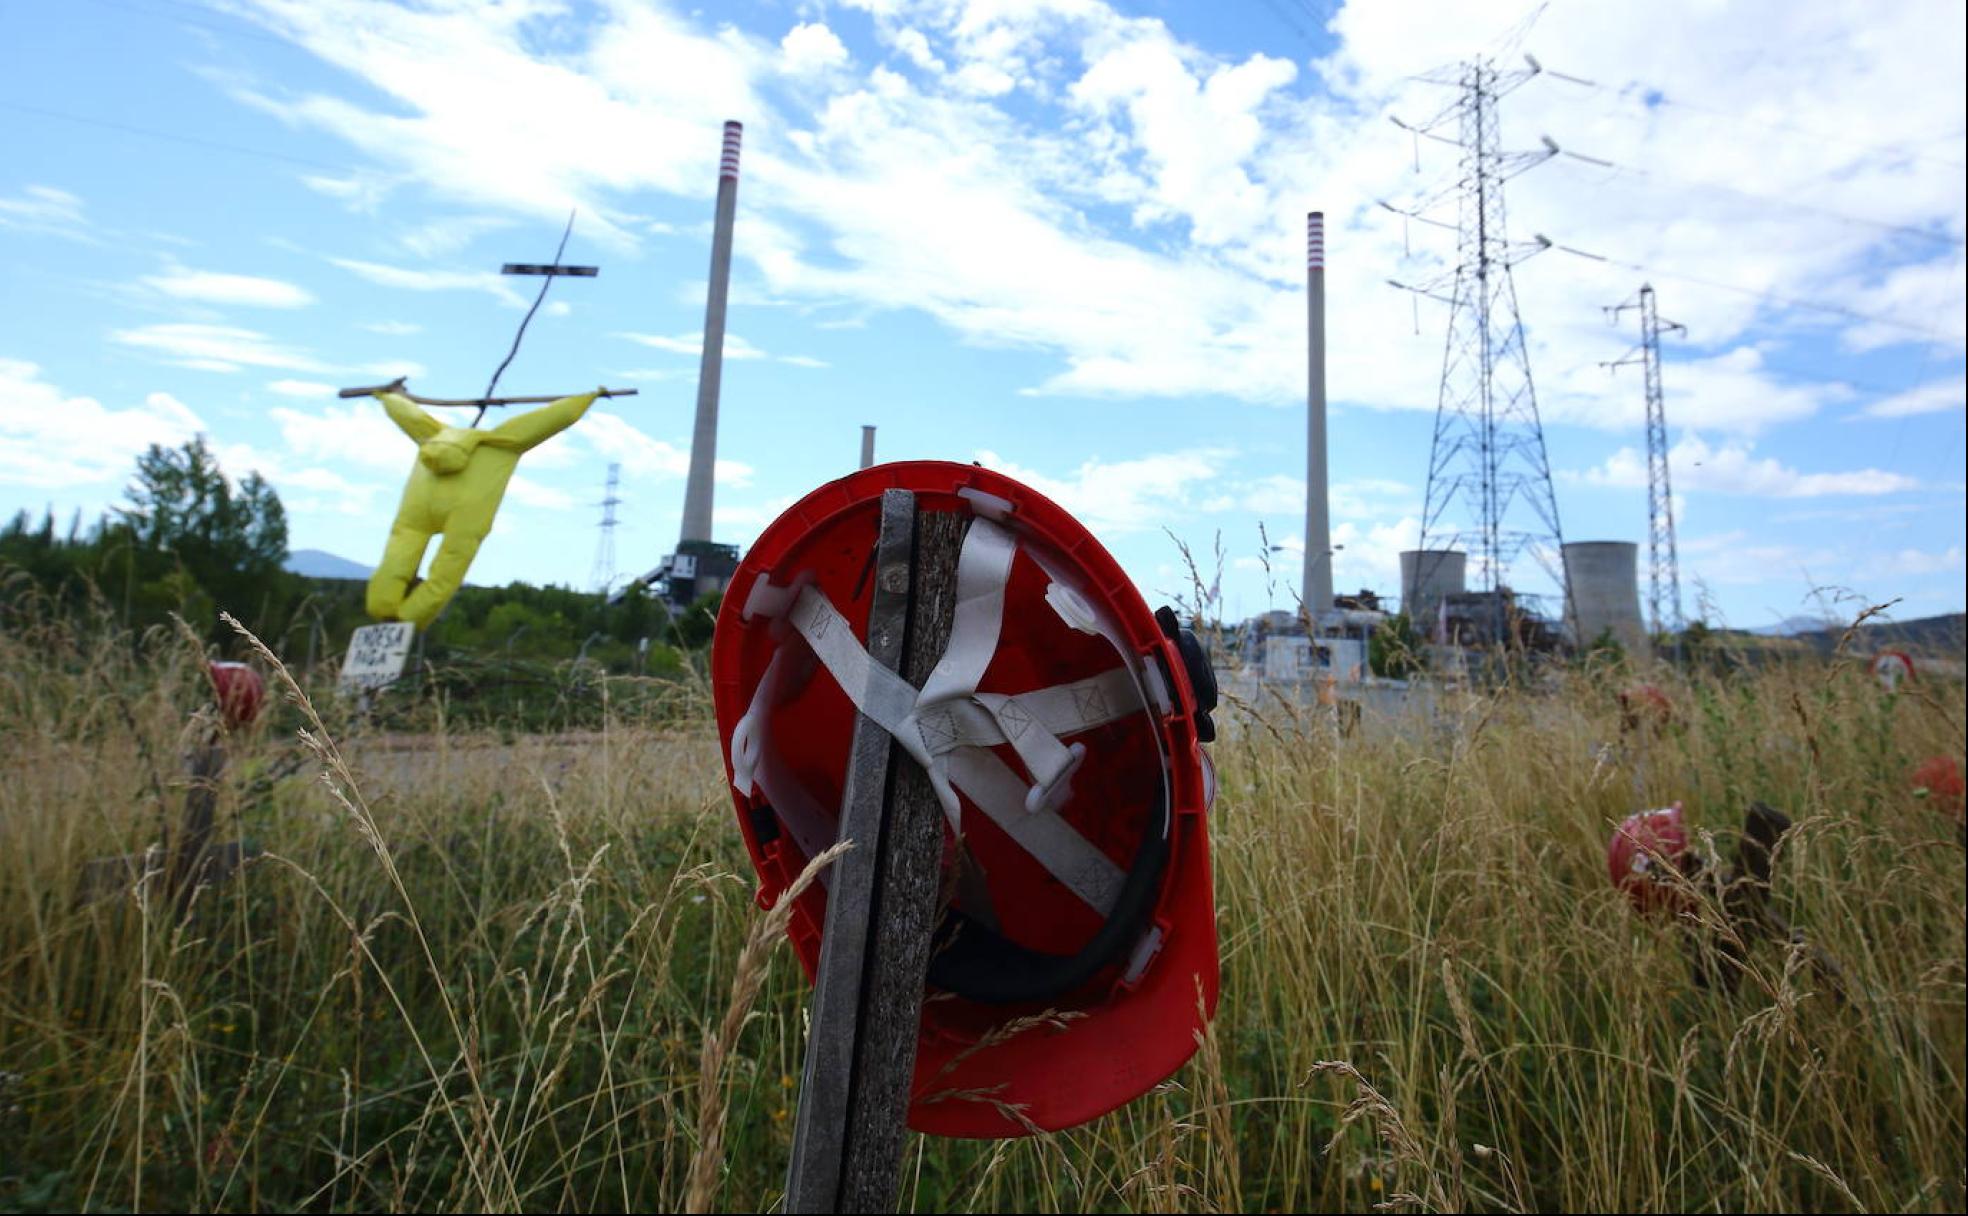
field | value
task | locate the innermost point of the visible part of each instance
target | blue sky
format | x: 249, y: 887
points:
x: 1060, y: 237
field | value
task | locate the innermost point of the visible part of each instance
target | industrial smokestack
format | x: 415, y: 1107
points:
x: 703, y: 437
x: 1318, y: 582
x: 867, y: 446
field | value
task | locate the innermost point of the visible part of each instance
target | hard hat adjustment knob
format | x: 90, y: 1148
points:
x: 1202, y: 677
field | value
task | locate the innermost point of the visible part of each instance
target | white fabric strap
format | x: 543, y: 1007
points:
x: 1051, y: 841
x: 983, y: 569
x: 1062, y: 710
x: 876, y: 691
x: 753, y: 766
x: 948, y: 726
x: 1148, y: 690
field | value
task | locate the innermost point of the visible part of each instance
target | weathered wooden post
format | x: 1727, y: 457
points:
x: 882, y: 905
x: 189, y: 856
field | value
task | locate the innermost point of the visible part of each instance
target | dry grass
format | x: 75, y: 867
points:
x: 517, y: 976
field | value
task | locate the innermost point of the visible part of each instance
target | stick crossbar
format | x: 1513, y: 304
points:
x: 396, y: 386
x: 579, y: 272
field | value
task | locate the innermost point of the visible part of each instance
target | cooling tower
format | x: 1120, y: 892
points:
x: 1426, y: 576
x: 1604, y: 581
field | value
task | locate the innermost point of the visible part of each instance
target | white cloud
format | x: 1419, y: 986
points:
x: 528, y: 492
x: 300, y: 388
x: 433, y: 280
x: 930, y: 195
x: 209, y: 287
x: 915, y: 48
x: 303, y: 488
x: 393, y: 329
x: 1913, y: 562
x: 216, y: 347
x: 359, y: 433
x: 50, y: 439
x: 1734, y: 391
x: 613, y: 438
x: 227, y: 348
x: 811, y: 47
x: 442, y: 238
x: 46, y: 210
x: 1731, y: 468
x: 802, y: 360
x: 362, y: 193
x: 1938, y: 397
x: 735, y: 347
x: 1135, y: 495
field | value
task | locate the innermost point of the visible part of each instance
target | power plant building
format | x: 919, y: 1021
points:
x: 1602, y: 577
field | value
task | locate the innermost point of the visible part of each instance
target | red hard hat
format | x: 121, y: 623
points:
x: 1939, y: 778
x: 1061, y: 731
x: 239, y: 690
x: 1645, y: 703
x: 1645, y: 847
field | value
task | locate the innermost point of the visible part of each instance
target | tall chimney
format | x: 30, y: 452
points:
x: 1318, y: 580
x: 703, y: 437
x: 867, y: 446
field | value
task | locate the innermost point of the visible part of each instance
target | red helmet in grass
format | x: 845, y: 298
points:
x: 239, y: 690
x: 1061, y: 731
x: 1939, y: 779
x: 1645, y: 851
x: 1644, y: 704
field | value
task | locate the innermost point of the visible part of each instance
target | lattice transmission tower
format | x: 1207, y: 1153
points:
x: 603, y: 574
x: 1664, y: 581
x: 1489, y: 479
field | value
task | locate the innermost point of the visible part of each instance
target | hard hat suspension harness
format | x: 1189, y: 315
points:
x: 949, y: 728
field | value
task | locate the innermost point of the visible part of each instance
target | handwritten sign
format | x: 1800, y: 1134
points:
x: 375, y: 655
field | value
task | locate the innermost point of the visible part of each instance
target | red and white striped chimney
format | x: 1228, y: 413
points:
x: 1317, y: 588
x: 698, y: 491
x: 734, y: 134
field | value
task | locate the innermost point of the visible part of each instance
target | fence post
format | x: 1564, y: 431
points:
x: 883, y: 901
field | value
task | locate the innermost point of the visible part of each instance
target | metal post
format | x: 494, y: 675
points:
x: 867, y: 446
x: 703, y: 438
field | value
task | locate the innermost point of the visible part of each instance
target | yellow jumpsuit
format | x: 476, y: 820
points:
x: 454, y: 488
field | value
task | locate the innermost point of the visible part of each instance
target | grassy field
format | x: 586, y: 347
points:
x: 480, y: 974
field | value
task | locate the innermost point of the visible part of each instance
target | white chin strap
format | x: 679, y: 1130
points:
x: 949, y: 727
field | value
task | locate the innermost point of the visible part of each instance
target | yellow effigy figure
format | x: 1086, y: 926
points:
x: 455, y: 488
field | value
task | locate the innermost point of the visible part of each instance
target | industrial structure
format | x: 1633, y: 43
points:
x: 1603, y: 588
x: 1317, y: 579
x: 1489, y: 479
x: 1428, y: 577
x: 603, y: 573
x: 701, y: 565
x: 1663, y: 564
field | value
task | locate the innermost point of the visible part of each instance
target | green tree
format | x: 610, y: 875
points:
x: 1394, y: 650
x: 185, y: 518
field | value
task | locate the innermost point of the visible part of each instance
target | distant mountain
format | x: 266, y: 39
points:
x: 318, y: 563
x: 1790, y: 627
x: 1930, y: 635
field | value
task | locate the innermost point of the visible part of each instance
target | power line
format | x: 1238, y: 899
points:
x: 1777, y: 200
x: 1652, y: 96
x: 230, y: 31
x: 153, y: 133
x: 1928, y: 331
